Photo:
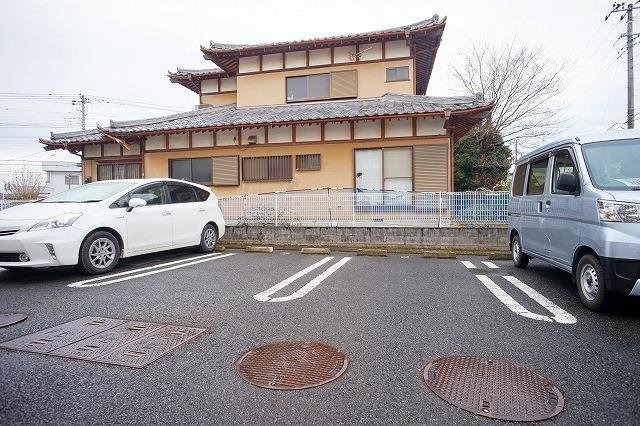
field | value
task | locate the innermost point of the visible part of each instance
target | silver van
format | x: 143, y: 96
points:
x: 576, y: 205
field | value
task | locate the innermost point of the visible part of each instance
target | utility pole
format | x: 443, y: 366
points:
x: 630, y: 112
x: 83, y: 112
x: 628, y: 12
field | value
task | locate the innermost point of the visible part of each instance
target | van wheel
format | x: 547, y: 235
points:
x: 208, y: 239
x: 99, y: 253
x: 520, y: 260
x: 591, y: 283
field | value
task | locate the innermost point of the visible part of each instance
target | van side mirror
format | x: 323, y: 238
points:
x: 136, y: 202
x: 567, y: 183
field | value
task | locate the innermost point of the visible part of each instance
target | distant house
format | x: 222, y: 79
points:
x: 342, y: 111
x: 61, y: 175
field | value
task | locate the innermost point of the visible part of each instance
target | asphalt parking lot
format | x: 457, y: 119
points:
x: 390, y: 315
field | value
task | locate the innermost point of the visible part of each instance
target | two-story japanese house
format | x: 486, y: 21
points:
x: 341, y: 112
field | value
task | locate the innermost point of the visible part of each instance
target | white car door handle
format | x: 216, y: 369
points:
x: 202, y: 210
x: 166, y: 213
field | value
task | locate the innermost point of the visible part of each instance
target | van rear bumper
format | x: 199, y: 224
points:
x: 623, y: 275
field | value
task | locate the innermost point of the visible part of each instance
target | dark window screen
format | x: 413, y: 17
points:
x: 181, y: 194
x: 518, y: 180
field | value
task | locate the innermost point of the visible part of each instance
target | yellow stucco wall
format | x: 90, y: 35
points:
x: 219, y: 99
x: 337, y: 163
x: 270, y: 88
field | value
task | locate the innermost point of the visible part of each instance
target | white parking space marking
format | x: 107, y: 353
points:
x: 134, y: 271
x: 468, y: 265
x: 313, y: 283
x: 125, y: 276
x: 264, y: 296
x: 509, y: 301
x: 558, y: 314
x: 490, y: 265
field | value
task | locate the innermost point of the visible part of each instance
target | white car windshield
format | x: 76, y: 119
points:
x: 614, y: 165
x: 90, y: 193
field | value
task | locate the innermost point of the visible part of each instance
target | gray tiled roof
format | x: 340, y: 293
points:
x: 435, y: 19
x: 205, y: 71
x: 230, y: 115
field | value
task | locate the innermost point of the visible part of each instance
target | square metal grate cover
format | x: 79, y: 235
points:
x: 113, y: 341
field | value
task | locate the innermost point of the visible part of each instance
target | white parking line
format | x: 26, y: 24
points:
x: 509, y: 301
x: 264, y: 296
x: 97, y: 282
x: 313, y: 283
x: 558, y: 314
x: 490, y: 265
x: 468, y: 265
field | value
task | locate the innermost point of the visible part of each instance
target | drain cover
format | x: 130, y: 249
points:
x: 107, y: 340
x: 492, y: 388
x: 10, y: 319
x: 292, y: 365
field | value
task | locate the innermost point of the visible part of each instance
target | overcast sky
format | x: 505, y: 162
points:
x: 121, y: 51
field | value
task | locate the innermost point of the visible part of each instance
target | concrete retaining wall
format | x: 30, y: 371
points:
x: 400, y: 239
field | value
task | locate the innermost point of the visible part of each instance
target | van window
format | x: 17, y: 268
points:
x: 537, y: 176
x: 563, y: 163
x: 518, y: 180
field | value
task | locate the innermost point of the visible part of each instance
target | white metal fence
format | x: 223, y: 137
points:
x: 351, y: 207
x: 5, y: 204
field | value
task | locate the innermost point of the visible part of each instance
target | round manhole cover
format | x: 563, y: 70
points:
x: 493, y: 388
x: 10, y: 319
x: 292, y: 365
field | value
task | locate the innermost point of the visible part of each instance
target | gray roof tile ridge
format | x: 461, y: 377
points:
x: 116, y: 125
x: 434, y: 19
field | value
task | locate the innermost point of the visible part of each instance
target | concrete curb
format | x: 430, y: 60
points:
x: 259, y: 249
x: 315, y: 250
x: 499, y: 255
x: 439, y: 255
x: 372, y: 252
x: 389, y: 248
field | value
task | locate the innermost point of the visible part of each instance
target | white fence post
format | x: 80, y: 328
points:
x: 439, y: 209
x: 353, y: 209
x: 276, y: 196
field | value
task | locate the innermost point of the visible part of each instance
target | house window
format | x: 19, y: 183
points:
x: 398, y: 74
x: 260, y: 169
x: 305, y: 162
x: 308, y: 87
x: 226, y: 171
x: 335, y: 85
x: 197, y: 170
x: 119, y: 171
x: 71, y: 180
x: 384, y: 169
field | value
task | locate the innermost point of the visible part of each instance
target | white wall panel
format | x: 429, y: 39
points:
x: 272, y: 62
x: 395, y: 128
x: 295, y: 59
x: 249, y: 64
x: 426, y: 126
x: 154, y: 142
x: 308, y: 132
x: 343, y: 54
x: 228, y: 84
x: 370, y: 52
x: 396, y: 49
x: 369, y: 129
x: 180, y: 140
x: 111, y: 150
x: 319, y: 57
x: 200, y: 139
x: 226, y: 137
x: 209, y: 86
x: 337, y: 131
x: 280, y: 134
x: 91, y: 151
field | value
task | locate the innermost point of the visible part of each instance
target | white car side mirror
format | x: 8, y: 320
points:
x: 136, y: 202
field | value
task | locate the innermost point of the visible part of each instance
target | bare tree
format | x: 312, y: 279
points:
x: 524, y: 83
x: 25, y: 185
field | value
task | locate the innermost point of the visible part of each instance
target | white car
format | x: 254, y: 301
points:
x: 95, y: 225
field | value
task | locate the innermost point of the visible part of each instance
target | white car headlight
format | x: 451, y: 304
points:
x: 59, y: 221
x: 610, y: 211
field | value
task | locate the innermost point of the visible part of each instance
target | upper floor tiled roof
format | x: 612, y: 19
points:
x: 426, y: 23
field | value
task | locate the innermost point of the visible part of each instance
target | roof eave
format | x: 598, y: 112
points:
x: 212, y: 54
